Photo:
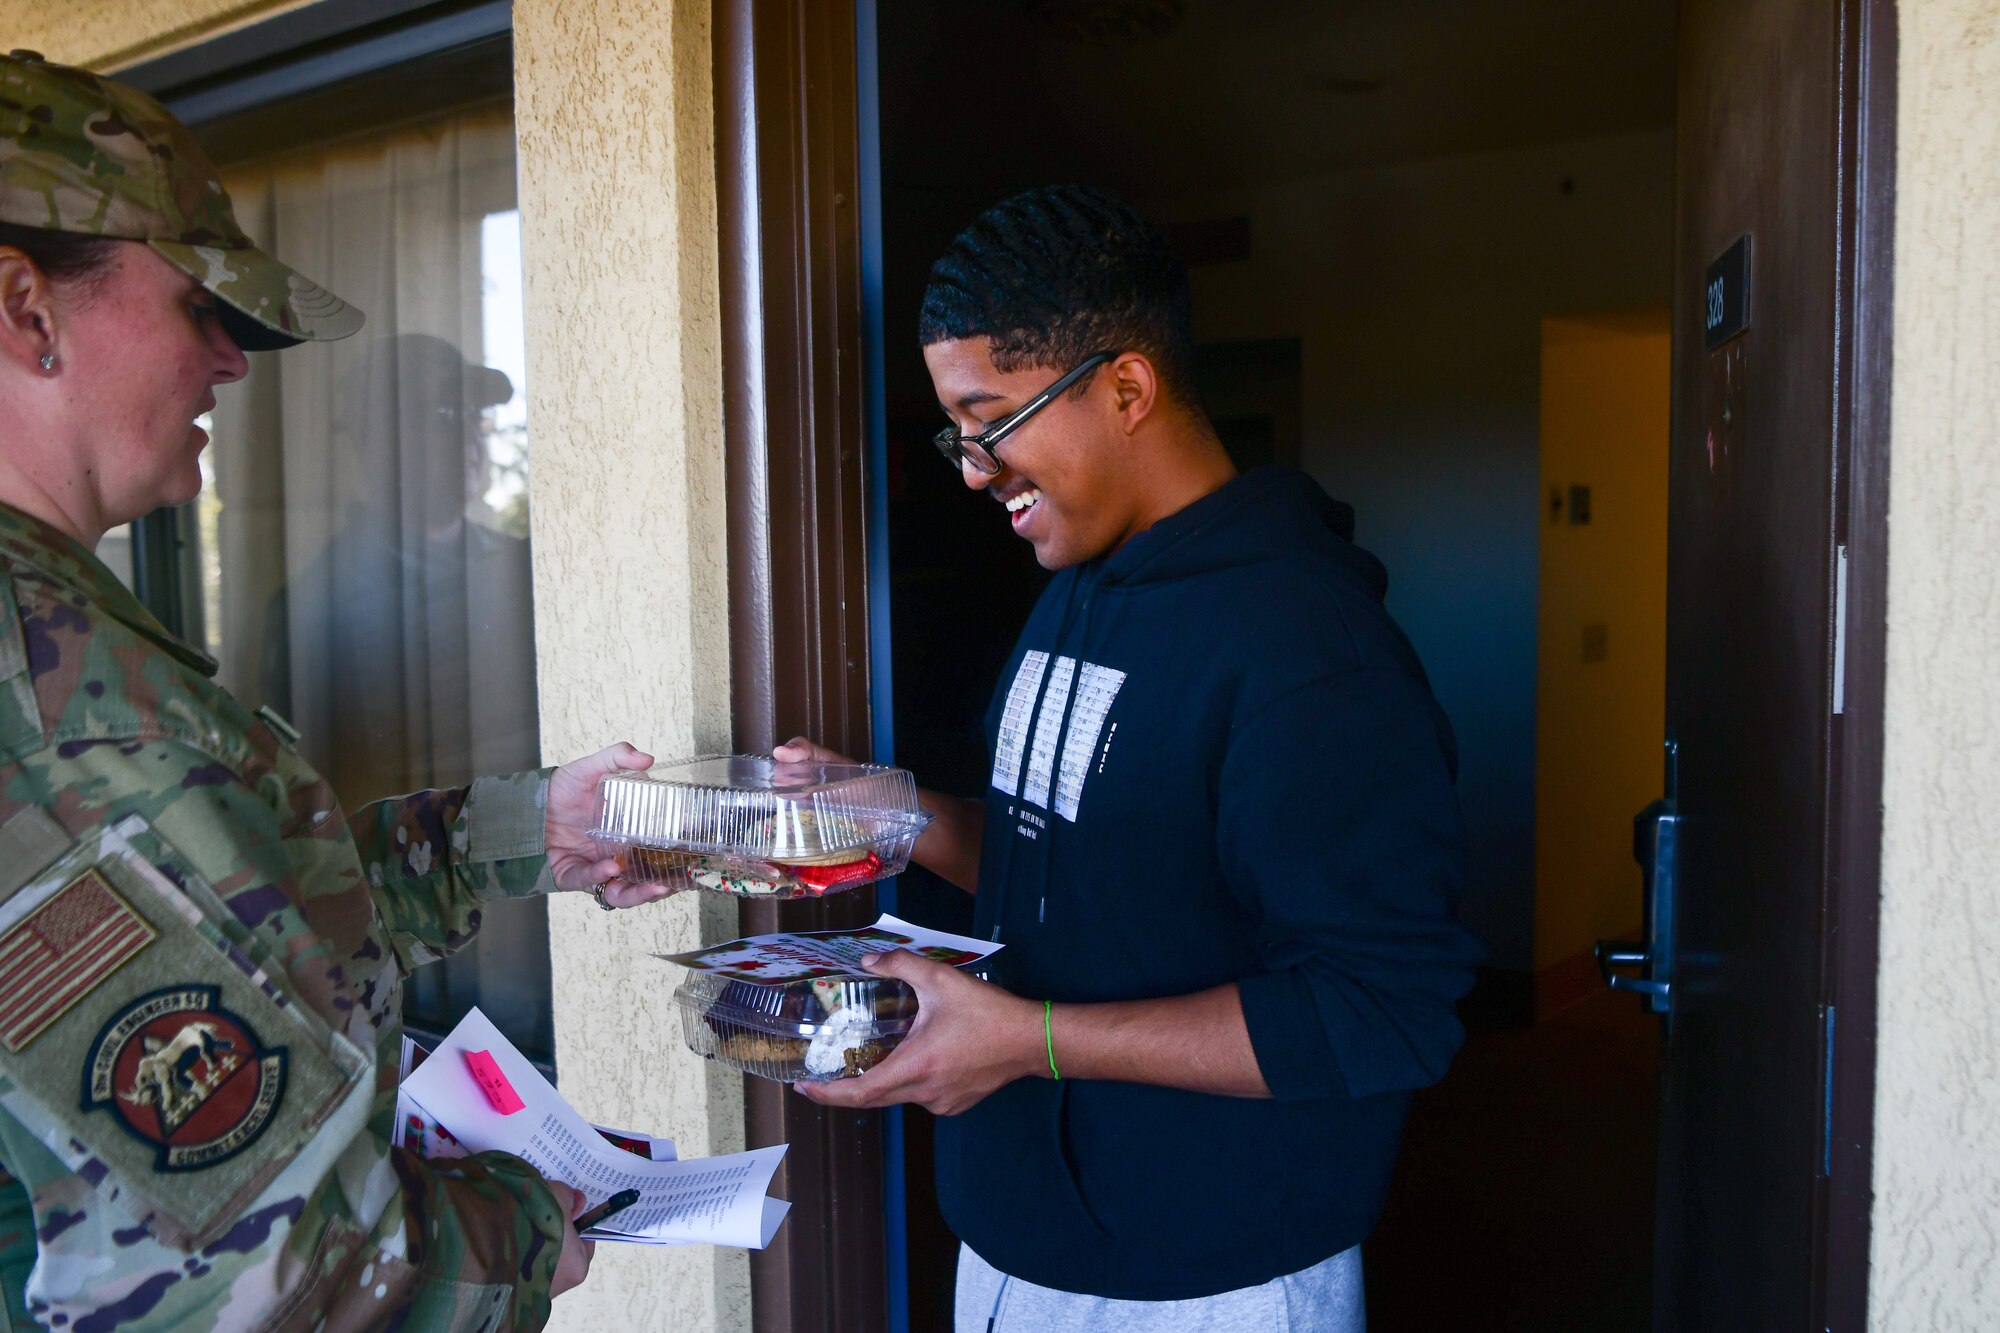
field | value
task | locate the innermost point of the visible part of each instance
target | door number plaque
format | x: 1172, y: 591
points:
x: 1726, y: 295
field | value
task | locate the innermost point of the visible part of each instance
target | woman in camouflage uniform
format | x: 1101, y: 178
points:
x: 201, y: 956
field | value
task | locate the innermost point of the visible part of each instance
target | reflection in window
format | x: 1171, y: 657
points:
x: 115, y: 550
x: 505, y: 339
x: 207, y: 546
x: 365, y: 551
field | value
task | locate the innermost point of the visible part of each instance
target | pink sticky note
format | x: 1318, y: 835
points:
x: 486, y: 1073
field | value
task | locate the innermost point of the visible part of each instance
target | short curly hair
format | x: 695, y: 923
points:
x: 1058, y: 273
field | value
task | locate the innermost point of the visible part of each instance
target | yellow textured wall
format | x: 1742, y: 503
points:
x: 1605, y: 385
x: 105, y: 34
x: 1936, y: 1262
x: 613, y: 109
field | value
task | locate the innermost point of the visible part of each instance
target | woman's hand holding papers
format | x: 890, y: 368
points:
x: 574, y: 860
x: 574, y: 1265
x: 970, y: 1038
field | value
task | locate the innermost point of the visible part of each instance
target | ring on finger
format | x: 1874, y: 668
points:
x: 597, y: 892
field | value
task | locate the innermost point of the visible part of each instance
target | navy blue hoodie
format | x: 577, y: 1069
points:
x: 1216, y: 759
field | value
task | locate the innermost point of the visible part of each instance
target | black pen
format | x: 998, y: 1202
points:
x: 612, y: 1206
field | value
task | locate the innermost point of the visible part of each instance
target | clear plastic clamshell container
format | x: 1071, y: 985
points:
x: 751, y: 827
x: 802, y: 1031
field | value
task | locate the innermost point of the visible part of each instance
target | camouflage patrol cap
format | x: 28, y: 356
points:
x: 87, y: 155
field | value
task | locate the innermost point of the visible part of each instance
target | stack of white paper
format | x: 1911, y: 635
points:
x: 714, y: 1200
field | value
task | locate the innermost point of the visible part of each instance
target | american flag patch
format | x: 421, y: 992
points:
x: 60, y: 951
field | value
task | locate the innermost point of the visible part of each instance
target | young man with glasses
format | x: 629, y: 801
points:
x: 1220, y: 842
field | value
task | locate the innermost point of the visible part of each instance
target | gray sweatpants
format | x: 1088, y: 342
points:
x: 1325, y: 1298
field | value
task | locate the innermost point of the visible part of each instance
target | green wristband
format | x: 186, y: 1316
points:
x: 1049, y: 1036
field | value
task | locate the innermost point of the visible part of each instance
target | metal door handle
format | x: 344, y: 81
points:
x: 1656, y: 844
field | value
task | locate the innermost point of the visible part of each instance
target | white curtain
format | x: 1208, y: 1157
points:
x: 369, y: 567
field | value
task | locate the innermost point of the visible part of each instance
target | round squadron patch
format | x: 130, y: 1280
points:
x: 182, y: 1073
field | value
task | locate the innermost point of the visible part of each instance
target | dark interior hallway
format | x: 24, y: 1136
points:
x: 1524, y: 1200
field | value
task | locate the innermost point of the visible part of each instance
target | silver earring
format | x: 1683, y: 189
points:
x: 48, y: 360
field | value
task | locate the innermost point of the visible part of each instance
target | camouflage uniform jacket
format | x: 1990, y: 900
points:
x: 201, y: 965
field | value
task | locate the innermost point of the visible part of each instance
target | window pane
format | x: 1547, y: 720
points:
x: 505, y: 428
x: 364, y: 546
x: 115, y: 550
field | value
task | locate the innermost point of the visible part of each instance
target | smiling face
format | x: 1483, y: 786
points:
x: 140, y: 351
x: 1064, y: 478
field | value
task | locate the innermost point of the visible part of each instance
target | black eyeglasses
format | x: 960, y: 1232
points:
x: 978, y: 449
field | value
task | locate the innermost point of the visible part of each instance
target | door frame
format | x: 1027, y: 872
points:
x: 1851, y: 929
x: 796, y: 295
x: 800, y: 487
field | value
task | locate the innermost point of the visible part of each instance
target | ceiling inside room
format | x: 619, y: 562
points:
x: 1200, y: 94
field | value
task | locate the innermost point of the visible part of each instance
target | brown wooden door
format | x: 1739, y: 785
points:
x: 1766, y: 493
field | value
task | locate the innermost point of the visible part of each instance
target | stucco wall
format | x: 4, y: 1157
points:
x: 619, y: 243
x: 1937, y: 1137
x: 105, y: 34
